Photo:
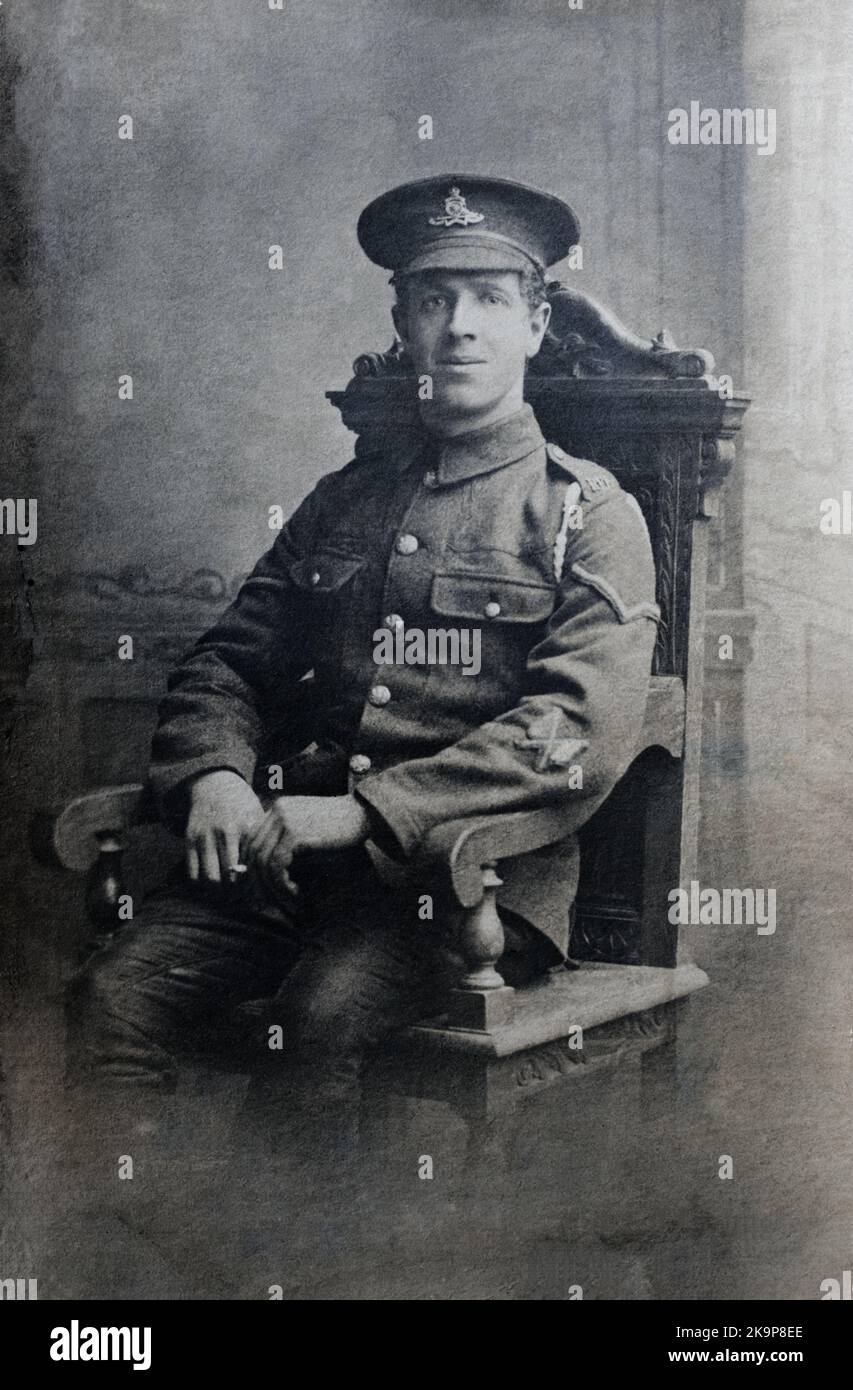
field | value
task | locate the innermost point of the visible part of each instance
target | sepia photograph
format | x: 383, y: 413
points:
x: 425, y: 536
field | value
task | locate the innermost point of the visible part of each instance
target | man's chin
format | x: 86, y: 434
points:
x: 458, y: 404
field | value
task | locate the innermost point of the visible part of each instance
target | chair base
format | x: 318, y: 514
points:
x: 569, y: 1026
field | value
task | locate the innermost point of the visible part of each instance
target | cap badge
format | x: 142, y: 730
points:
x: 456, y: 214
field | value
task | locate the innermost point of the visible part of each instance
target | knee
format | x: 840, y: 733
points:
x: 323, y: 1013
x: 95, y: 990
x: 109, y: 1028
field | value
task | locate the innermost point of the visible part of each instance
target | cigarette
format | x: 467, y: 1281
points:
x: 235, y: 870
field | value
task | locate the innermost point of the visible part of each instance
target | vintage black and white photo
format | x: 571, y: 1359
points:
x: 425, y: 555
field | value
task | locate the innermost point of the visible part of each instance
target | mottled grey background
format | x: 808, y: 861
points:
x: 253, y: 127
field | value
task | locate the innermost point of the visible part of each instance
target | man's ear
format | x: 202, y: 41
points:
x: 539, y: 320
x: 399, y: 318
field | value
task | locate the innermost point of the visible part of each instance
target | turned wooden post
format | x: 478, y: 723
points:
x: 482, y: 1000
x: 87, y: 835
x: 104, y: 888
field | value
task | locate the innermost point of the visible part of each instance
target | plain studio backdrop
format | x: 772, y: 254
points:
x: 255, y: 127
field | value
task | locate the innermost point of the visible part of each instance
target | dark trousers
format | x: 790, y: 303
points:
x: 342, y: 965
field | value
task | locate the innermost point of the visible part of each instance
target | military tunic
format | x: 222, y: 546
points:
x: 493, y: 530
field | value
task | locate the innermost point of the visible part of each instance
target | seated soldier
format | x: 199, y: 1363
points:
x: 304, y: 775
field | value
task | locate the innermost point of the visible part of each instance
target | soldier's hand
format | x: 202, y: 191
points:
x: 295, y: 823
x: 223, y: 812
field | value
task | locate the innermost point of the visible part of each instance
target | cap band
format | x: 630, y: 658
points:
x: 453, y: 251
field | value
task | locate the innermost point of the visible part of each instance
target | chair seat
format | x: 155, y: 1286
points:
x: 546, y: 1011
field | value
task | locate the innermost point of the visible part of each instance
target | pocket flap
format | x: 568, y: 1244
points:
x: 323, y: 573
x: 491, y: 598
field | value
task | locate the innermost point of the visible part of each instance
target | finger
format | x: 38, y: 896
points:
x: 269, y: 855
x: 229, y: 850
x: 276, y: 879
x: 263, y: 859
x: 255, y: 837
x: 264, y: 842
x: 278, y: 868
x: 273, y: 864
x: 247, y: 833
x: 209, y: 859
x: 192, y: 861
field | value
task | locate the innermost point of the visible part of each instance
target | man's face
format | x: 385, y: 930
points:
x: 472, y: 334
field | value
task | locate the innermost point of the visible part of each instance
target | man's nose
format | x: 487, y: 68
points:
x: 461, y: 321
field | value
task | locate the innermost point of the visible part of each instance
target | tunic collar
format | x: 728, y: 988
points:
x: 480, y: 451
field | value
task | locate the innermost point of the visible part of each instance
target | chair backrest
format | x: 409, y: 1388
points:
x: 664, y: 425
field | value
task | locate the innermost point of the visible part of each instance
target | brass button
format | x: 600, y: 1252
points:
x: 315, y: 578
x: 493, y: 608
x: 358, y: 763
x: 406, y: 544
x: 430, y: 478
x: 393, y: 620
x: 379, y: 695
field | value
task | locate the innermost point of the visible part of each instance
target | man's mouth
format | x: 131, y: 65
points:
x: 462, y: 362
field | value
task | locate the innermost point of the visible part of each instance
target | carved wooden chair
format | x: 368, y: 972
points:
x: 659, y: 420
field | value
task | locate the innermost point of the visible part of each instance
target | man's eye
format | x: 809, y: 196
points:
x: 433, y: 301
x: 491, y: 298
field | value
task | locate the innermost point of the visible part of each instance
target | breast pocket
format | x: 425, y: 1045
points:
x: 499, y: 619
x: 491, y: 599
x: 329, y: 589
x: 326, y: 572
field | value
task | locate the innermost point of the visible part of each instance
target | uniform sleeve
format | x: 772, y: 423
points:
x: 213, y: 714
x: 582, y: 709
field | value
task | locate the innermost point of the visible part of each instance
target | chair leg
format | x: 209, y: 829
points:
x: 489, y: 1143
x: 383, y: 1112
x: 659, y: 1088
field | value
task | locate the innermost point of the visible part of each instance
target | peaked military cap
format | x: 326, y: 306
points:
x: 466, y: 222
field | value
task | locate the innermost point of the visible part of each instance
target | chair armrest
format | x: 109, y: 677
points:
x: 72, y: 835
x: 456, y: 852
x: 665, y: 721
